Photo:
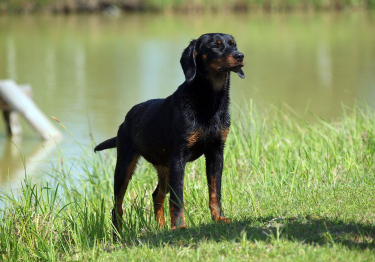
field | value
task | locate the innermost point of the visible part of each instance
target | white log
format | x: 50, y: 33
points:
x: 20, y: 102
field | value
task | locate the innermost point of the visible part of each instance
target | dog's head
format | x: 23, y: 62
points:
x: 212, y: 54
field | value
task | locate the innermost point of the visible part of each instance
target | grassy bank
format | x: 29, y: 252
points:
x: 68, y: 6
x: 294, y: 190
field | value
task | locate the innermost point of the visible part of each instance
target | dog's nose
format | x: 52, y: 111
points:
x: 239, y: 57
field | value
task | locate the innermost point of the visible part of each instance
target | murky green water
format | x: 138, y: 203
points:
x: 89, y: 70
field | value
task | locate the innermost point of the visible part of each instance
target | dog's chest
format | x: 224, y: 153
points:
x: 201, y: 141
x: 202, y: 137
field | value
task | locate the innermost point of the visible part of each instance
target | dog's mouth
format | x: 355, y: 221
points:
x: 230, y: 68
x: 235, y: 68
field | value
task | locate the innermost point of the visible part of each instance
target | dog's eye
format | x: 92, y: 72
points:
x: 215, y: 46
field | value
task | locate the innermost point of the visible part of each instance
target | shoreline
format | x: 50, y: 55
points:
x: 176, y: 6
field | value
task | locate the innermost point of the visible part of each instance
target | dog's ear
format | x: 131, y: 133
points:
x: 188, y: 61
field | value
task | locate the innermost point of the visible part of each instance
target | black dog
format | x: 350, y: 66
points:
x: 170, y: 132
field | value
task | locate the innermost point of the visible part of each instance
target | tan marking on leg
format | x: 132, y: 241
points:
x: 224, y: 134
x: 163, y: 189
x: 177, y: 220
x: 120, y: 197
x: 194, y: 136
x: 213, y: 202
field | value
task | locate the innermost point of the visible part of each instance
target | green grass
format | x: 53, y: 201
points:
x: 295, y: 190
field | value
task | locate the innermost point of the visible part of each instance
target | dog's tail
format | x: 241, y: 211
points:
x: 110, y: 143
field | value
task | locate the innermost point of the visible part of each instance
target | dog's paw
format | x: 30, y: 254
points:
x: 181, y: 227
x: 221, y: 219
x: 225, y: 220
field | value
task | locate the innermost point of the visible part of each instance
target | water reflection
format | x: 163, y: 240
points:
x: 50, y: 70
x: 324, y: 65
x: 157, y: 67
x: 14, y: 157
x: 80, y: 64
x: 88, y: 70
x: 11, y: 59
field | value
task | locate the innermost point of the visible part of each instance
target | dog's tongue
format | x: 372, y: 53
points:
x: 237, y: 70
x: 240, y: 73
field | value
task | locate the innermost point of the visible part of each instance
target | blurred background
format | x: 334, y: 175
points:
x: 90, y: 61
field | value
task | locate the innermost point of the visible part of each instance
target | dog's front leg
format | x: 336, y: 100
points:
x: 214, y: 169
x: 176, y: 183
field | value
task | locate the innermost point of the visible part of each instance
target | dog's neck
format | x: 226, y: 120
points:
x: 219, y: 81
x: 214, y: 81
x: 210, y: 96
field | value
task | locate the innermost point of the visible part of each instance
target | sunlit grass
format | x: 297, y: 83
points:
x: 293, y: 189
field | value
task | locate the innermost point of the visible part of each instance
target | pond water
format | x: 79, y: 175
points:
x: 89, y: 70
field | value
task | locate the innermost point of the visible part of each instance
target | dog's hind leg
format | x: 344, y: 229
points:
x: 160, y: 192
x: 127, y: 158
